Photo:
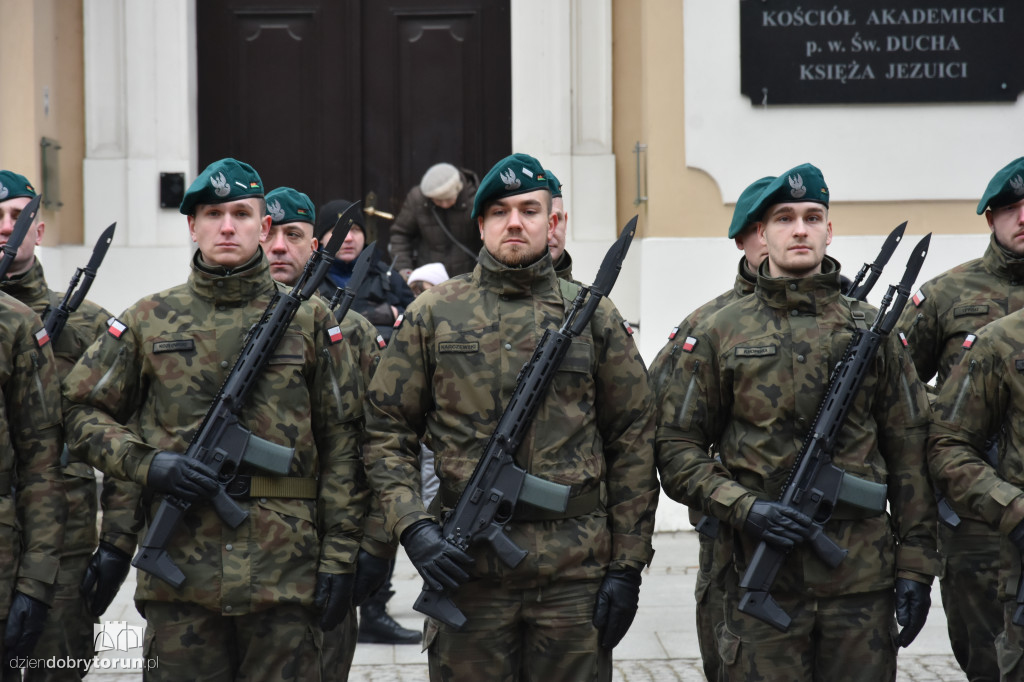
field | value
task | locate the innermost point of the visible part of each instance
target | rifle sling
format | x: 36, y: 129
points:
x: 579, y: 505
x: 244, y: 487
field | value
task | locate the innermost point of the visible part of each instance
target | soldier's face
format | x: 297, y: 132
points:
x: 556, y: 239
x: 288, y: 247
x: 9, y: 212
x: 228, y: 234
x: 1007, y: 224
x: 796, y: 236
x: 515, y: 229
x: 749, y: 242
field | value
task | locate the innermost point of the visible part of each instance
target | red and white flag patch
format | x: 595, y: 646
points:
x: 689, y: 344
x: 672, y: 334
x: 400, y: 320
x: 380, y: 341
x: 918, y: 298
x: 116, y: 327
x: 625, y: 325
x: 969, y: 341
x: 903, y: 340
x: 334, y: 334
x: 42, y: 337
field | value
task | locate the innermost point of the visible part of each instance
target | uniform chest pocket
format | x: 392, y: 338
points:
x: 290, y: 351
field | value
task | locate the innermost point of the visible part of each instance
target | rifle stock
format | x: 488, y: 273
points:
x: 497, y: 484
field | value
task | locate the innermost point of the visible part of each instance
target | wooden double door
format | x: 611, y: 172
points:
x: 338, y: 98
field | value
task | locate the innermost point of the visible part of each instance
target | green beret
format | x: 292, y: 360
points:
x: 553, y: 184
x: 222, y: 181
x: 516, y: 174
x: 743, y: 205
x: 287, y: 205
x: 1005, y: 188
x: 803, y: 183
x: 13, y: 186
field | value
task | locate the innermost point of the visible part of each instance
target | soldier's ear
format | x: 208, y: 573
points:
x: 988, y: 217
x: 760, y: 234
x: 828, y: 234
x: 480, y: 224
x: 191, y: 226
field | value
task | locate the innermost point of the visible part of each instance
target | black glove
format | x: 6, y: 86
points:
x: 439, y: 562
x: 181, y: 477
x: 778, y: 525
x: 617, y: 601
x: 371, y: 574
x: 913, y: 599
x: 24, y: 626
x: 103, y: 577
x: 333, y: 597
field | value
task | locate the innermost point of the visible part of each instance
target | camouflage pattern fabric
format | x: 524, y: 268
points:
x: 748, y: 381
x: 68, y: 630
x: 709, y: 591
x: 445, y: 378
x: 165, y: 359
x: 32, y: 519
x: 948, y: 308
x: 979, y: 398
x: 186, y: 643
x: 560, y: 641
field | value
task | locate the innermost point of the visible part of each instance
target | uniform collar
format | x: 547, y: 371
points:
x: 28, y: 287
x: 745, y: 282
x: 563, y: 267
x: 1002, y: 263
x: 515, y: 282
x: 235, y: 287
x: 808, y: 295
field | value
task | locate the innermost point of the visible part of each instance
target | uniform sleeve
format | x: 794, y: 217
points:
x: 337, y: 423
x: 625, y: 416
x: 921, y: 327
x: 970, y: 405
x: 902, y: 413
x: 100, y: 395
x: 397, y: 402
x: 692, y: 404
x: 404, y: 235
x: 32, y: 397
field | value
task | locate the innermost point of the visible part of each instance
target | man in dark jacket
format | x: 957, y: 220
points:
x: 435, y: 223
x: 383, y: 295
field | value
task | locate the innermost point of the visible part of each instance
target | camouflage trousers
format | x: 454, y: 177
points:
x: 710, y: 595
x: 850, y: 638
x: 970, y: 596
x: 340, y: 648
x: 68, y: 632
x: 188, y: 643
x: 534, y: 635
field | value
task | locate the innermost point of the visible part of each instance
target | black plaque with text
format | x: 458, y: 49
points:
x: 872, y: 51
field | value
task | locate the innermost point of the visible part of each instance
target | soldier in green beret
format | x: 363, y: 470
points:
x: 256, y: 598
x: 746, y: 384
x: 947, y: 310
x: 710, y: 586
x: 445, y: 378
x: 96, y: 563
x: 34, y: 511
x: 556, y: 239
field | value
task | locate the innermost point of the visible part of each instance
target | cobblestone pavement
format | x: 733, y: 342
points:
x: 661, y: 646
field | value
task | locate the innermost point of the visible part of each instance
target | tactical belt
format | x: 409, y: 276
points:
x: 244, y: 487
x: 579, y: 505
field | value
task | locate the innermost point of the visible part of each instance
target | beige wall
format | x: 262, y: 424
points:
x: 47, y: 52
x: 648, y: 106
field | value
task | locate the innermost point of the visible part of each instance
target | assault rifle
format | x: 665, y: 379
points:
x: 21, y: 225
x: 815, y: 485
x: 57, y: 317
x: 343, y: 297
x: 222, y: 443
x: 498, y: 483
x: 859, y: 289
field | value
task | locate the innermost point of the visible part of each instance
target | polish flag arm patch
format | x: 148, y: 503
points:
x: 399, y: 321
x: 672, y: 334
x: 334, y: 334
x: 903, y: 340
x: 629, y: 329
x: 969, y: 341
x: 918, y: 298
x: 116, y: 327
x: 689, y: 344
x: 381, y: 342
x: 42, y: 337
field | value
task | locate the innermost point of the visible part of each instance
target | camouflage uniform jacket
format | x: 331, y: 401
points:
x: 32, y: 519
x: 983, y: 395
x: 447, y: 375
x: 959, y: 302
x: 749, y: 381
x: 661, y: 368
x: 121, y: 520
x: 165, y: 360
x: 563, y: 267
